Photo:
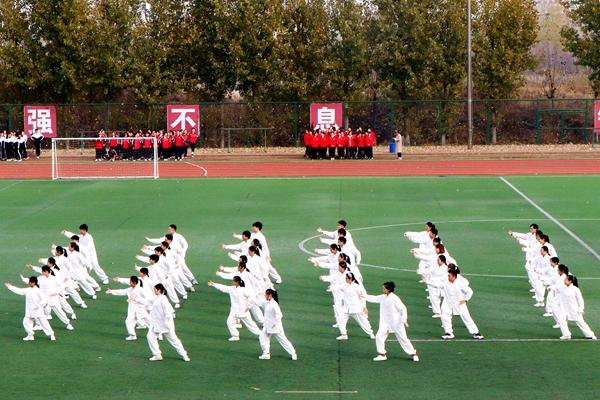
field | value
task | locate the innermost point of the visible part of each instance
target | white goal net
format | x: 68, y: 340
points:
x: 108, y: 158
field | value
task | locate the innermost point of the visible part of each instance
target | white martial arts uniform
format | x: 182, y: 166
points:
x: 51, y: 288
x: 274, y: 327
x: 88, y: 248
x: 572, y: 307
x: 393, y: 316
x: 454, y: 293
x: 331, y: 237
x: 438, y: 276
x: 240, y: 309
x: 352, y: 305
x: 136, y: 307
x: 35, y: 302
x: 162, y: 322
x: 253, y: 285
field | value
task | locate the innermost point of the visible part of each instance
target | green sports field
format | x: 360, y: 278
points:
x: 520, y: 358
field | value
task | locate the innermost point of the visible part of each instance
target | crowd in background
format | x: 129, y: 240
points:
x: 171, y: 145
x: 13, y: 145
x: 338, y: 143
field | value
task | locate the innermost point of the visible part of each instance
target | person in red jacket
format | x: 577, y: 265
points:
x: 333, y: 143
x: 307, y: 139
x: 137, y: 146
x: 179, y: 145
x: 371, y: 141
x: 148, y: 147
x: 360, y: 140
x: 193, y: 139
x: 127, y: 146
x: 167, y: 145
x: 342, y: 143
x: 99, y: 144
x: 324, y: 138
x: 352, y: 144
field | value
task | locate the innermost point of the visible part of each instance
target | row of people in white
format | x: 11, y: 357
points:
x: 551, y: 281
x: 87, y: 248
x: 448, y: 291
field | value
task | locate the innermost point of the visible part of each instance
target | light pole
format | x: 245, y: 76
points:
x: 469, y: 77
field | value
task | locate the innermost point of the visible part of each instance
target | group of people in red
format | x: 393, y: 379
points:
x: 339, y: 143
x: 171, y: 145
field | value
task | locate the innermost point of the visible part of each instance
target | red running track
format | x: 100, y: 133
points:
x: 305, y: 168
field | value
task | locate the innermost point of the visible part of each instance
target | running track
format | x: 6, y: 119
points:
x: 196, y: 168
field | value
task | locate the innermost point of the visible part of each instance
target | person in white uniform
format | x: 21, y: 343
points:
x: 273, y: 327
x: 353, y: 305
x: 393, y: 318
x: 136, y: 305
x: 88, y: 247
x: 456, y: 293
x: 241, y: 299
x: 35, y: 302
x: 332, y: 236
x: 162, y: 322
x: 572, y: 307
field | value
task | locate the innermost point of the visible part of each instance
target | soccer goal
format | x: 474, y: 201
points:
x: 104, y: 158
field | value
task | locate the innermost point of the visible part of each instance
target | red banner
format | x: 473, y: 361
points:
x: 597, y: 116
x: 326, y: 115
x: 42, y: 118
x: 182, y: 117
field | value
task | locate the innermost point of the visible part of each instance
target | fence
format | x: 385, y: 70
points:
x: 521, y: 121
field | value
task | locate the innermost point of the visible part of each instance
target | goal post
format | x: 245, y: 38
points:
x: 104, y: 158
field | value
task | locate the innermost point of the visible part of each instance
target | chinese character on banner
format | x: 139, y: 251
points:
x: 182, y: 117
x: 326, y: 115
x: 42, y: 118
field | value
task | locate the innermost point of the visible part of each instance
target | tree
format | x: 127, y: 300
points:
x: 502, y: 52
x: 583, y: 39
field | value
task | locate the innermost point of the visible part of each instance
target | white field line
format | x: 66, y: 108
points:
x: 317, y: 391
x: 10, y: 186
x: 197, y: 166
x: 500, y: 340
x: 551, y: 218
x: 302, y: 244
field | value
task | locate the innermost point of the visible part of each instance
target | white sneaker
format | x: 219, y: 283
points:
x: 186, y: 358
x: 52, y: 338
x: 371, y: 336
x: 185, y: 296
x: 83, y: 305
x: 194, y: 282
x: 380, y: 357
x: 342, y: 337
x: 264, y: 357
x: 548, y: 314
x: 565, y: 338
x: 436, y: 316
x: 447, y: 336
x: 539, y: 304
x: 592, y: 338
x: 295, y: 356
x: 28, y: 338
x: 94, y: 297
x: 105, y: 282
x: 98, y: 289
x: 531, y: 290
x: 278, y: 281
x: 70, y: 327
x: 73, y: 316
x: 192, y: 289
x: 177, y: 305
x: 556, y: 326
x: 415, y: 358
x: 234, y: 339
x: 478, y: 336
x: 156, y: 358
x: 131, y: 337
x: 334, y: 325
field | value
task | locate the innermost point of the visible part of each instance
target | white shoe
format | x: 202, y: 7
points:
x: 380, y: 357
x: 565, y: 338
x: 295, y: 356
x: 70, y: 327
x: 98, y: 289
x: 478, y: 336
x: 105, y: 282
x: 447, y: 336
x: 83, y: 305
x: 539, y: 304
x: 177, y: 305
x: 156, y: 358
x: 28, y: 338
x: 334, y: 325
x: 185, y: 297
x: 371, y: 336
x: 278, y: 281
x: 531, y: 290
x: 264, y: 357
x: 192, y: 289
x: 436, y: 316
x: 548, y: 314
x: 194, y: 282
x: 73, y: 316
x: 52, y: 338
x: 131, y: 337
x: 234, y: 339
x: 342, y: 337
x: 592, y: 338
x: 186, y: 358
x: 556, y: 326
x: 415, y: 358
x: 94, y: 297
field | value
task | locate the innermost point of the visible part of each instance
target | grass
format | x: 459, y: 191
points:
x: 95, y: 361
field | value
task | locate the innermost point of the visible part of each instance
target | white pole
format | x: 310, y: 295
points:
x: 469, y: 76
